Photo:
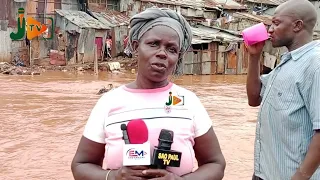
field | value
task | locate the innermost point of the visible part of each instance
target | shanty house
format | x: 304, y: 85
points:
x: 82, y: 33
x: 194, y: 11
x: 119, y: 24
x: 215, y: 51
x: 244, y: 20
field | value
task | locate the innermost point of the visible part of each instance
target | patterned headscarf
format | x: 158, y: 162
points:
x: 144, y: 21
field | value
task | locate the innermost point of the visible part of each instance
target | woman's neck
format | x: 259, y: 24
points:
x: 144, y: 83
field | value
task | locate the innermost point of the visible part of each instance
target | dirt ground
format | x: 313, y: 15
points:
x: 126, y: 64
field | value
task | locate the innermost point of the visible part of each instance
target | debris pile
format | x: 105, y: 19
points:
x: 116, y: 65
x: 9, y: 69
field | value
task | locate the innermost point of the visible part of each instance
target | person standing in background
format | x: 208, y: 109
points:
x: 287, y: 145
x: 108, y: 45
x: 126, y: 48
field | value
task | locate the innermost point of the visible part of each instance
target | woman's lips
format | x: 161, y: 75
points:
x: 158, y: 67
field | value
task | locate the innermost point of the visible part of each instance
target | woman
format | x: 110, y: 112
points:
x: 159, y: 37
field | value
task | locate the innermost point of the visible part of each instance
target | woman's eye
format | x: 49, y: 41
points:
x: 173, y: 50
x: 153, y: 44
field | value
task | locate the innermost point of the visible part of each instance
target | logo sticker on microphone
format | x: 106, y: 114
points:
x: 167, y: 157
x: 136, y: 153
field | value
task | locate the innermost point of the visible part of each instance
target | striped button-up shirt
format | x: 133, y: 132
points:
x: 289, y: 114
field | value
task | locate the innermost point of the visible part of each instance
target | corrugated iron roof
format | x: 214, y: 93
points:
x: 230, y: 4
x: 226, y: 4
x: 270, y: 2
x: 196, y: 40
x: 81, y: 19
x: 112, y: 18
x: 210, y: 33
x: 184, y: 3
x: 260, y: 18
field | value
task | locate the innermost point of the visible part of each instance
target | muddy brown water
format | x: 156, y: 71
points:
x: 43, y: 117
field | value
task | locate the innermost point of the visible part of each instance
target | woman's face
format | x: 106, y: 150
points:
x: 158, y: 52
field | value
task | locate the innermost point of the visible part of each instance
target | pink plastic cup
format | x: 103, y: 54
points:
x: 255, y: 34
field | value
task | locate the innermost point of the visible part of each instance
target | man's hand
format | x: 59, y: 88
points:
x: 255, y: 49
x: 161, y: 174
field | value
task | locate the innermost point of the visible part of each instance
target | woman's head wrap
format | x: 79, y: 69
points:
x: 144, y: 21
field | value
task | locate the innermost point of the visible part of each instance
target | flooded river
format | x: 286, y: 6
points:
x: 43, y: 117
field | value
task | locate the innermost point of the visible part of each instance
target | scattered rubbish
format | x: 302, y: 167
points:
x: 104, y: 89
x: 114, y: 66
x: 10, y: 69
x: 51, y: 64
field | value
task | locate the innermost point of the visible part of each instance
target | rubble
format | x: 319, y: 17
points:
x: 7, y: 68
x: 116, y: 65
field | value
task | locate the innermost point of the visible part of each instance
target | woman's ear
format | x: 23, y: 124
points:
x: 135, y: 45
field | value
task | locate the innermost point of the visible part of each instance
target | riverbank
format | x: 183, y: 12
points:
x: 115, y: 65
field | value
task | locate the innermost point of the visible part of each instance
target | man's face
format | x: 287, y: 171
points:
x: 282, y: 29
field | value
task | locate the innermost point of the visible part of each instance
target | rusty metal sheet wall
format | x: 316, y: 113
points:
x: 5, y: 45
x: 57, y: 4
x: 192, y: 62
x: 232, y: 60
x: 4, y: 25
x: 13, y: 12
x: 46, y: 45
x: 69, y: 4
x: 88, y: 46
x: 197, y: 58
x: 213, y: 50
x: 200, y: 61
x: 206, y: 63
x: 19, y: 52
x: 245, y: 59
x: 187, y: 63
x: 71, y: 49
x: 239, y: 60
x: 135, y: 8
x: 221, y: 60
x: 4, y: 12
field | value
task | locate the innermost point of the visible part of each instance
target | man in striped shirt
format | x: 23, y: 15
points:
x: 287, y: 145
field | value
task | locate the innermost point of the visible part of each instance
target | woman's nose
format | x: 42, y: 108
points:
x: 161, y: 54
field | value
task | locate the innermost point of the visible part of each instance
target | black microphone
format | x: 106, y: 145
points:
x: 125, y: 134
x: 163, y: 156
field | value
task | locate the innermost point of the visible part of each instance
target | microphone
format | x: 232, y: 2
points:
x: 138, y: 151
x: 137, y: 131
x: 163, y: 156
x: 125, y: 134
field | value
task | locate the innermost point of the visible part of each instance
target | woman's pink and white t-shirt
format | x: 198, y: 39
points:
x: 188, y: 119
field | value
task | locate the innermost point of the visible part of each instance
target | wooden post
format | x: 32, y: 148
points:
x: 30, y: 57
x: 96, y: 70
